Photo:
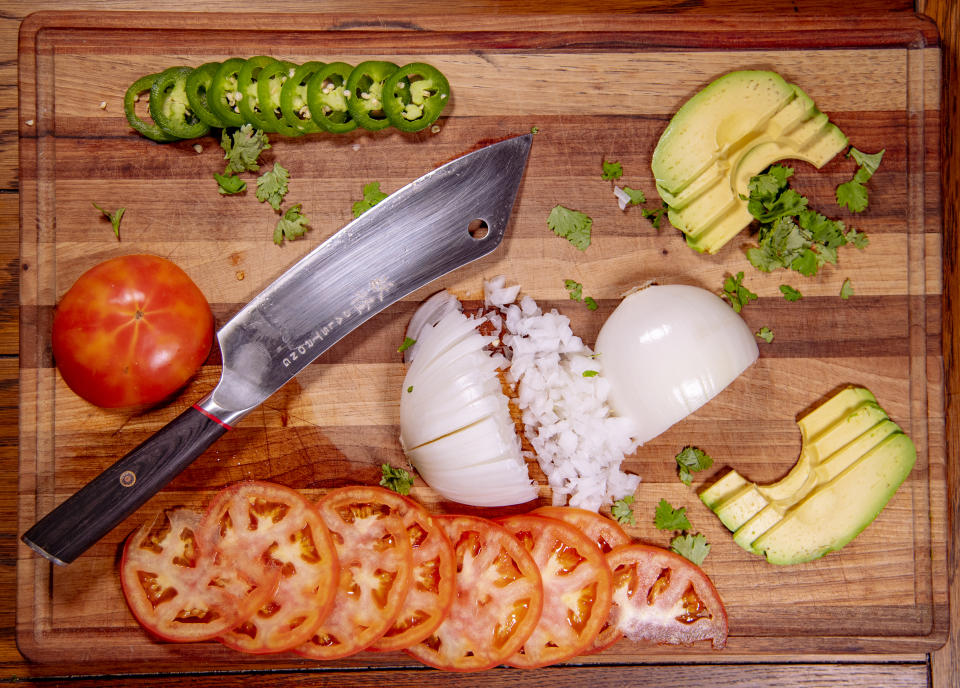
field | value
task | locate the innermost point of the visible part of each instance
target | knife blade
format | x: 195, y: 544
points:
x: 447, y: 218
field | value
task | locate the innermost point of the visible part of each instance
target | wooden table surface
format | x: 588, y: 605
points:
x: 941, y: 669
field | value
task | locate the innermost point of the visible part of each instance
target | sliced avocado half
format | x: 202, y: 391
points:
x: 730, y: 131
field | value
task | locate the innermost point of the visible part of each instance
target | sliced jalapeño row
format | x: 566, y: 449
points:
x: 285, y: 98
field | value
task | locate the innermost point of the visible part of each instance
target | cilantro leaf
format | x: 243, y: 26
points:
x: 396, y: 479
x: 655, y: 215
x: 692, y: 547
x: 575, y: 289
x: 846, y: 289
x: 858, y: 239
x: 243, y: 149
x: 572, y: 225
x: 806, y: 263
x: 229, y: 183
x: 636, y: 195
x: 668, y: 518
x: 737, y: 294
x: 292, y: 225
x: 854, y: 195
x: 591, y: 303
x: 407, y: 343
x: 622, y: 510
x: 868, y: 162
x: 611, y: 170
x: 272, y: 186
x: 371, y: 196
x: 690, y: 460
x: 114, y: 218
x: 789, y: 293
x: 765, y: 333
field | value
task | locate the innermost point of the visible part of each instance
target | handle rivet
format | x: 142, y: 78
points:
x: 128, y: 478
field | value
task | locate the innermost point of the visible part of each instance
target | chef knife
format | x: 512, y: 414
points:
x: 447, y: 218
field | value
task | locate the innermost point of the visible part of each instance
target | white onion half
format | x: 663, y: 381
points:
x: 455, y: 423
x: 667, y: 350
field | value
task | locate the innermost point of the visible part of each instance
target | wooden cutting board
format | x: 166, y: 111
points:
x: 598, y: 87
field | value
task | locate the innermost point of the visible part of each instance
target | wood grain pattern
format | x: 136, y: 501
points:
x: 538, y: 294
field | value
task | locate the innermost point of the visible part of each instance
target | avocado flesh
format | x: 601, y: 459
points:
x: 845, y: 430
x: 716, y: 118
x: 837, y: 512
x: 741, y: 507
x: 756, y: 119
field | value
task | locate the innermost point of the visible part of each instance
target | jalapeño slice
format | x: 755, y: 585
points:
x: 170, y: 108
x: 365, y: 85
x: 198, y: 86
x: 223, y: 96
x: 327, y: 98
x: 293, y: 99
x: 149, y: 129
x: 247, y: 85
x: 270, y: 84
x: 414, y: 96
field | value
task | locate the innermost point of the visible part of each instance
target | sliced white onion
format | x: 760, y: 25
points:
x: 667, y: 350
x: 455, y: 423
x: 428, y: 315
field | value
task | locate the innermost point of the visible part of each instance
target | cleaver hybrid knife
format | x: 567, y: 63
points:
x: 447, y: 218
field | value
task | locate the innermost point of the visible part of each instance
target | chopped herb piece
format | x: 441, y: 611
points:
x: 654, y: 215
x: 410, y: 389
x: 591, y: 303
x: 612, y: 170
x: 853, y: 194
x: 622, y: 511
x: 229, y: 183
x: 575, y: 289
x: 272, y: 186
x: 572, y: 225
x: 858, y: 239
x: 668, y: 518
x: 691, y: 460
x: 243, y: 149
x: 737, y: 294
x: 396, y: 479
x: 789, y: 293
x: 371, y: 196
x: 692, y: 547
x: 846, y: 289
x: 590, y: 373
x: 627, y: 196
x: 765, y: 333
x: 114, y: 218
x: 292, y: 225
x: 534, y: 130
x: 407, y: 343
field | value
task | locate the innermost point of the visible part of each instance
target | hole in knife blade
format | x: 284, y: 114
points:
x: 478, y: 229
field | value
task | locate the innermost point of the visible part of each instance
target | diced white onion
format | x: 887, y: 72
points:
x: 667, y: 350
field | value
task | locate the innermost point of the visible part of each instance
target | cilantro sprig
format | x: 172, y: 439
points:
x: 791, y: 235
x: 292, y: 225
x: 737, y: 294
x: 693, y: 547
x: 690, y: 460
x: 622, y: 510
x: 371, y: 196
x: 853, y: 194
x: 242, y: 149
x: 272, y: 185
x: 611, y: 170
x: 668, y: 518
x: 114, y: 217
x: 396, y: 479
x: 576, y: 294
x: 764, y: 333
x: 572, y: 225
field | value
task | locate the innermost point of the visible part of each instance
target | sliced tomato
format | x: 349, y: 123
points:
x: 605, y: 532
x: 498, y: 601
x: 608, y: 534
x: 434, y: 577
x: 177, y: 591
x: 259, y: 525
x: 376, y: 569
x: 577, y: 589
x: 659, y: 596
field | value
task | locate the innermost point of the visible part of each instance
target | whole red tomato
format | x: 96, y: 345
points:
x: 132, y: 330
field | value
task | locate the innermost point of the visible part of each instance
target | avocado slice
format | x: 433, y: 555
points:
x: 837, y: 435
x: 835, y: 513
x: 727, y: 133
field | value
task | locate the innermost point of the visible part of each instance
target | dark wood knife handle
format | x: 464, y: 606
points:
x: 74, y: 526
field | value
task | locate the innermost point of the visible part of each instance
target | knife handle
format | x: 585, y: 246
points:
x: 74, y: 526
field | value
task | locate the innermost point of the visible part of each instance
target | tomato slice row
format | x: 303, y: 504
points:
x: 265, y: 570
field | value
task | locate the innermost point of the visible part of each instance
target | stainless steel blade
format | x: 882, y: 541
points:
x: 414, y: 236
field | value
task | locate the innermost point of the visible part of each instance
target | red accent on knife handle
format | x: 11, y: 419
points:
x: 212, y: 417
x: 74, y: 526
